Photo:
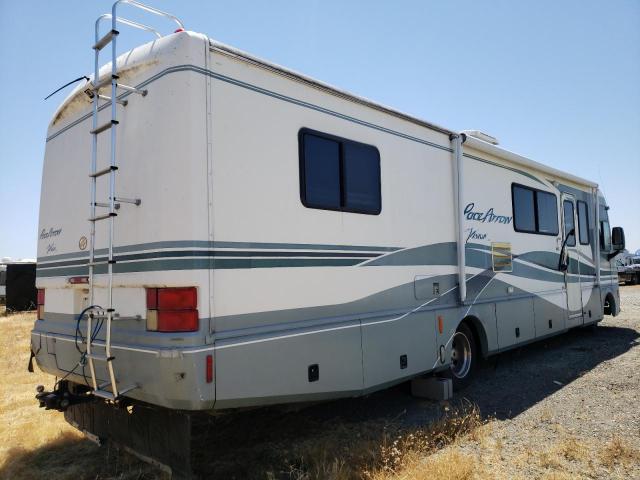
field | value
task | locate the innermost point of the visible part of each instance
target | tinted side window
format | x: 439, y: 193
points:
x: 534, y: 211
x: 547, y: 212
x: 339, y: 174
x: 524, y: 214
x: 583, y: 222
x: 321, y: 172
x: 361, y: 174
x: 605, y: 236
x: 569, y: 223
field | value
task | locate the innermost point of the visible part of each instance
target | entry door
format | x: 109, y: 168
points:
x: 572, y: 274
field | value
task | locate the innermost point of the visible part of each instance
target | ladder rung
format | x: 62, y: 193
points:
x: 108, y: 99
x: 104, y: 41
x: 104, y: 127
x: 106, y: 81
x: 102, y: 217
x: 122, y: 391
x: 107, y: 205
x: 100, y: 317
x: 101, y: 262
x: 104, y: 394
x: 104, y: 171
x: 101, y: 358
x: 134, y: 201
x: 117, y: 316
x: 132, y: 89
x: 108, y: 395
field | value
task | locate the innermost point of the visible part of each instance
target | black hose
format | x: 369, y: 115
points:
x: 67, y: 84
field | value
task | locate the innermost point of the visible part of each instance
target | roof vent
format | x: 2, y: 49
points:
x: 481, y: 136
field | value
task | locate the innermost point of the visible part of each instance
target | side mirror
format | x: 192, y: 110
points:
x: 563, y: 265
x: 617, y: 239
x: 563, y: 261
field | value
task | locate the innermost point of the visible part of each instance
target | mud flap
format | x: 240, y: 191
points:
x: 160, y: 436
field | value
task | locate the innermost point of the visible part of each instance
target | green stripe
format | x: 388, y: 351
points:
x: 213, y: 253
x: 201, y: 264
x: 218, y: 244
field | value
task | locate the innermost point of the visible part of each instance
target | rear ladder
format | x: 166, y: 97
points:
x: 108, y: 389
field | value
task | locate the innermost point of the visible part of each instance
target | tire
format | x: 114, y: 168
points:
x: 464, y: 358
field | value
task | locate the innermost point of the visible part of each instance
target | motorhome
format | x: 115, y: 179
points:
x: 217, y: 231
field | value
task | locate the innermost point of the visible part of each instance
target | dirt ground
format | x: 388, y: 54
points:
x: 558, y: 409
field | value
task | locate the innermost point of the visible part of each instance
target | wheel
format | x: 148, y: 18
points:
x: 464, y: 357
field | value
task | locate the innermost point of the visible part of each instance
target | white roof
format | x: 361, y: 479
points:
x: 524, y: 161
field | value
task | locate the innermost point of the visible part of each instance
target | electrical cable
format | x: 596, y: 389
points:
x: 83, y: 354
x: 67, y: 84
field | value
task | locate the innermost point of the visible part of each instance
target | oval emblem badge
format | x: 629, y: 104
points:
x: 82, y: 243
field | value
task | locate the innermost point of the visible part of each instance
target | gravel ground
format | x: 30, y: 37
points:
x: 567, y: 406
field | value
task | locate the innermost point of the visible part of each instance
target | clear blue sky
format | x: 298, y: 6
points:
x: 558, y: 81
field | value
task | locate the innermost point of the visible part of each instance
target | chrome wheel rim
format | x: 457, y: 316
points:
x: 460, y: 355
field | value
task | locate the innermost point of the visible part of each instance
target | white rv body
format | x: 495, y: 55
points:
x: 296, y: 303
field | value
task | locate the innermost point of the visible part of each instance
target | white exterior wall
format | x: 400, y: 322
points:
x: 161, y: 155
x: 257, y: 192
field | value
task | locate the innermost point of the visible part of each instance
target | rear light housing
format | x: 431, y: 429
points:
x: 172, y: 309
x: 209, y: 369
x: 81, y: 280
x: 40, y: 304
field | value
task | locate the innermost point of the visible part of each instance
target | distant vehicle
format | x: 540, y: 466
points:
x: 3, y: 283
x: 258, y: 237
x: 18, y: 284
x: 21, y: 286
x: 629, y: 270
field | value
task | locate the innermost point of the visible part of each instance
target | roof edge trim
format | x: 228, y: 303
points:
x: 524, y: 161
x: 292, y: 74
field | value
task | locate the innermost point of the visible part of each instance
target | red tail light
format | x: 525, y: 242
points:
x: 172, y: 309
x: 209, y: 372
x: 177, y: 299
x: 40, y: 302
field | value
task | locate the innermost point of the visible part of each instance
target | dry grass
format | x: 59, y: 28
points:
x: 417, y: 454
x: 447, y: 465
x: 619, y: 452
x: 568, y: 449
x: 33, y: 442
x: 374, y: 450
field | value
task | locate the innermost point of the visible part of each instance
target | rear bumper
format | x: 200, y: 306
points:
x: 171, y: 377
